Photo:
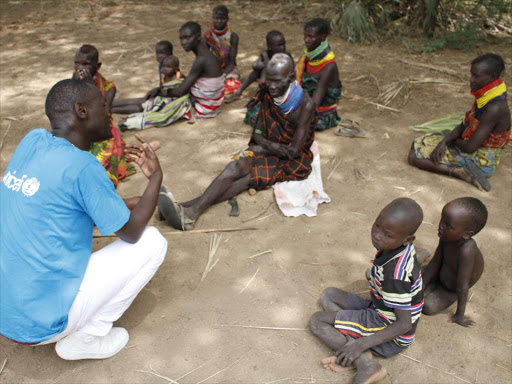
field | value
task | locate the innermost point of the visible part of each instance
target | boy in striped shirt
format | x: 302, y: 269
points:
x: 386, y: 324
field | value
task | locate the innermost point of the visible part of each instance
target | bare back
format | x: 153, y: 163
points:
x: 453, y: 256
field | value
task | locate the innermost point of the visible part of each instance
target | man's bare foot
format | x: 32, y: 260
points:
x: 368, y: 371
x: 329, y: 363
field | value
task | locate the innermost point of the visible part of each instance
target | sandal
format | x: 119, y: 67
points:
x: 350, y: 130
x: 477, y: 175
x: 173, y: 212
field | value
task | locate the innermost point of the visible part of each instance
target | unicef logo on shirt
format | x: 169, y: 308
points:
x: 30, y: 186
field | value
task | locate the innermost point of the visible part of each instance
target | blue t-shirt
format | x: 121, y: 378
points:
x: 51, y: 195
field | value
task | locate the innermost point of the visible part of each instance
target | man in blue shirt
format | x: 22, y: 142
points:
x: 52, y: 193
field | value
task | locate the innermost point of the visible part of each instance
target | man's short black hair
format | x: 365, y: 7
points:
x: 65, y: 94
x: 194, y: 27
x: 476, y: 210
x: 90, y: 51
x: 272, y: 34
x: 165, y: 46
x: 322, y: 25
x: 222, y: 9
x: 494, y: 63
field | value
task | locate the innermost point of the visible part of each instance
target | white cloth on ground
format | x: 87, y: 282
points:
x: 302, y: 197
x: 114, y: 277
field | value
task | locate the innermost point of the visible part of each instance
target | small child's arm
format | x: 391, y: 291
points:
x: 353, y: 349
x: 465, y: 262
x: 433, y: 267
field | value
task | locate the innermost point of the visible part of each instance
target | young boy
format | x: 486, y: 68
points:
x: 224, y: 45
x: 161, y: 110
x: 458, y: 263
x: 110, y: 153
x: 386, y: 324
x: 163, y: 49
x: 275, y: 44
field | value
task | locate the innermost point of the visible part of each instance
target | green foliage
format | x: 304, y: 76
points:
x: 464, y: 37
x: 354, y: 24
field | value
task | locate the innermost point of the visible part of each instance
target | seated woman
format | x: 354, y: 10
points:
x: 472, y: 151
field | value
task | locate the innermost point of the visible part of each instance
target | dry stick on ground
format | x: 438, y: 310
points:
x: 155, y: 373
x: 381, y: 106
x: 195, y: 369
x: 98, y: 236
x: 3, y: 366
x: 434, y: 68
x: 258, y: 215
x: 260, y: 254
x: 250, y: 281
x: 214, y: 245
x: 437, y: 369
x: 229, y: 366
x: 270, y: 328
x: 334, y: 169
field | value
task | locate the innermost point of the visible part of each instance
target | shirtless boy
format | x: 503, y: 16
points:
x: 458, y: 263
x: 275, y: 44
x: 386, y: 324
x: 205, y: 80
x: 163, y: 49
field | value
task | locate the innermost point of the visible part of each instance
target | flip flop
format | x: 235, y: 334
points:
x: 350, y: 130
x: 161, y: 217
x: 171, y: 210
x: 477, y: 175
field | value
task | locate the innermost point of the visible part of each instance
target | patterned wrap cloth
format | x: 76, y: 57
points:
x: 160, y: 111
x: 208, y: 95
x: 220, y: 45
x: 110, y: 152
x: 327, y: 110
x: 275, y: 126
x: 488, y: 156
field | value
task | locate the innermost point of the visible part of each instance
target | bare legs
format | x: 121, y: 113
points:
x: 127, y: 106
x: 233, y: 180
x: 322, y: 326
x: 429, y: 165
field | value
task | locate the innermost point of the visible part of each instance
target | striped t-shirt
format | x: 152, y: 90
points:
x: 396, y: 283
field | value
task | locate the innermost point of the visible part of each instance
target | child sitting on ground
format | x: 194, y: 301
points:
x: 223, y: 43
x: 275, y: 44
x: 161, y: 110
x: 458, y: 263
x: 110, y: 153
x: 163, y: 49
x: 386, y: 324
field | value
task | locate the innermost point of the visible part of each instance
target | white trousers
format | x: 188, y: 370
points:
x: 114, y: 277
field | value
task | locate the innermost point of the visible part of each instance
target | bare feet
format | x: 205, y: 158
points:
x: 234, y: 207
x: 368, y: 371
x: 329, y: 363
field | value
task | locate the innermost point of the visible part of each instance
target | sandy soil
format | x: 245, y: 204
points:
x: 179, y: 323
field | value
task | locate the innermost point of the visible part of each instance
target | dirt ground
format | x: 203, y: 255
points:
x: 180, y: 325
